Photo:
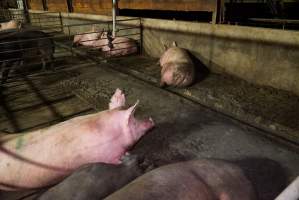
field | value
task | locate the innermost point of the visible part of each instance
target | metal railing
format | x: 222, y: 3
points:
x: 20, y: 46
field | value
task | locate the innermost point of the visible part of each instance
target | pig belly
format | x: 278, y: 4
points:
x: 199, y: 179
x: 175, y: 55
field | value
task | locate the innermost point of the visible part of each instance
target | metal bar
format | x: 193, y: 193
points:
x: 26, y: 12
x: 61, y: 23
x: 121, y: 29
x: 113, y: 18
x: 26, y: 40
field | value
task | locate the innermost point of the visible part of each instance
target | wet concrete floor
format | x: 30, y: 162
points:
x: 184, y: 130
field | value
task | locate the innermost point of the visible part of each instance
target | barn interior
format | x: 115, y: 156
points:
x: 242, y: 107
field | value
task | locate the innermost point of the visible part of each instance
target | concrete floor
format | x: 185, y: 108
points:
x: 184, y: 129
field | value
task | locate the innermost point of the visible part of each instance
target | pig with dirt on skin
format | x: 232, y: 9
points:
x: 177, y: 67
x: 205, y: 179
x: 118, y: 46
x: 87, y: 39
x: 12, y: 24
x: 45, y: 156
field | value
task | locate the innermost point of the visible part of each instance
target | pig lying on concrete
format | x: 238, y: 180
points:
x: 12, y: 24
x: 88, y: 39
x: 118, y: 46
x: 45, y: 156
x: 177, y: 67
x: 198, y: 179
x: 95, y: 181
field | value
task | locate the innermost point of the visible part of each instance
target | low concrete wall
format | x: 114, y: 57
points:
x: 261, y: 56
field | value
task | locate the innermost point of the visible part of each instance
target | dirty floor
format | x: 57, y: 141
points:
x: 184, y: 129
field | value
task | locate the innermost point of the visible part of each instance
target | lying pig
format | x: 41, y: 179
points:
x: 118, y: 46
x: 95, y: 181
x: 45, y: 156
x: 87, y: 39
x: 177, y: 67
x: 12, y: 24
x: 199, y: 179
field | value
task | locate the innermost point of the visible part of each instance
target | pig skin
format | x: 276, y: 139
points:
x: 43, y: 157
x: 121, y: 46
x: 204, y: 179
x: 12, y: 24
x: 177, y: 68
x: 87, y: 39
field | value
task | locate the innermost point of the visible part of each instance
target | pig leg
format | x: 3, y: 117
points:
x: 117, y: 100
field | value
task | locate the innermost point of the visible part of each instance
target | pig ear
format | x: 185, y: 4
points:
x: 130, y: 112
x: 174, y: 44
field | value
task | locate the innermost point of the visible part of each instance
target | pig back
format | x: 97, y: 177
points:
x: 175, y: 55
x: 93, y: 181
x: 199, y: 179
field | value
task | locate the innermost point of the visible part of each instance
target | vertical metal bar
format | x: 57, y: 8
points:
x: 141, y: 36
x: 61, y: 23
x: 45, y: 7
x: 69, y: 32
x: 40, y: 25
x: 26, y: 12
x: 113, y: 17
x: 70, y: 5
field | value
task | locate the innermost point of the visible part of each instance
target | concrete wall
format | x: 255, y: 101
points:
x: 261, y: 56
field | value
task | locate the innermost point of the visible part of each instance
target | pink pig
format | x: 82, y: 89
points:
x: 87, y: 39
x: 12, y: 24
x: 45, y: 156
x: 120, y: 46
x: 177, y: 67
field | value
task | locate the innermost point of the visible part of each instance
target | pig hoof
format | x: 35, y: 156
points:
x: 117, y: 100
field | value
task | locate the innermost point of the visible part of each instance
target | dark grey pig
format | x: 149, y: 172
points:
x: 17, y: 47
x: 95, y: 181
x: 199, y: 179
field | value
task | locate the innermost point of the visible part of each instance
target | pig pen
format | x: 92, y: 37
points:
x: 186, y: 126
